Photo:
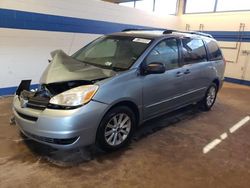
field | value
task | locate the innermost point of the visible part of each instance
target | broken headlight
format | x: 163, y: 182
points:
x: 75, y: 97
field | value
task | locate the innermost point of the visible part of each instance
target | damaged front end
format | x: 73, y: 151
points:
x: 64, y: 79
x: 40, y: 98
x: 55, y: 113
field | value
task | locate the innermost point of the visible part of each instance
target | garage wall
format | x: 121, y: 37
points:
x: 225, y: 28
x: 31, y: 29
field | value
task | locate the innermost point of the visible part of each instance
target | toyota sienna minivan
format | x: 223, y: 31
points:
x: 100, y: 94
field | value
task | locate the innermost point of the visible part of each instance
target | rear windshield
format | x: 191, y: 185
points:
x: 113, y: 52
x: 214, y: 50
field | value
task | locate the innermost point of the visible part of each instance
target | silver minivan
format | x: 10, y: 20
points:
x: 105, y: 90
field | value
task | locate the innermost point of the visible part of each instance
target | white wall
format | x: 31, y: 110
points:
x: 24, y: 53
x: 227, y: 21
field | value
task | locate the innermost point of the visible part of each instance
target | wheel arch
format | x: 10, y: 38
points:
x: 217, y: 82
x: 127, y: 103
x: 131, y: 105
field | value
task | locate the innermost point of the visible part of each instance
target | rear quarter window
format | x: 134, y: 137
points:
x: 213, y: 50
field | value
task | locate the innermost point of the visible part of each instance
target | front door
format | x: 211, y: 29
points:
x: 162, y: 92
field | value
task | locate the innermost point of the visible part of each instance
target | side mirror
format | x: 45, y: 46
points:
x: 154, y: 68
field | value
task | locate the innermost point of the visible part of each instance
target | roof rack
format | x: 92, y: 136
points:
x: 188, y: 32
x: 126, y: 30
x: 169, y: 31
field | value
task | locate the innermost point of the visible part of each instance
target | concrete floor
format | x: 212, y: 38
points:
x: 166, y: 152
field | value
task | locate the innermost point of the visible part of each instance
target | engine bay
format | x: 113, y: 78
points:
x: 39, y: 98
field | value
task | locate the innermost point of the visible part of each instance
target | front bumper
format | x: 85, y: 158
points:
x: 61, y: 129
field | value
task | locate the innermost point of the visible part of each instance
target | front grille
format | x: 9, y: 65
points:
x: 52, y: 140
x: 37, y: 102
x: 27, y: 117
x: 35, y: 106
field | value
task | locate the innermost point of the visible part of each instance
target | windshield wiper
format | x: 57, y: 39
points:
x: 118, y: 69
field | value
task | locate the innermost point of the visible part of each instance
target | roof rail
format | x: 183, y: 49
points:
x: 126, y: 30
x: 169, y: 31
x: 189, y: 32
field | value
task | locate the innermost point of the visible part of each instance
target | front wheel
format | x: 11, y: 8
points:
x: 210, y: 97
x: 116, y: 128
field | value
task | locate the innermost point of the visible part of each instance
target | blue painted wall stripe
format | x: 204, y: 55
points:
x: 16, y: 19
x: 12, y: 90
x: 237, y: 81
x: 35, y: 21
x: 229, y: 36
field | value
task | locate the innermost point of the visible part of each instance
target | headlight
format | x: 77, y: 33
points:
x: 75, y: 97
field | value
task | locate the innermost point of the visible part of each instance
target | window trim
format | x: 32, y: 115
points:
x: 176, y: 7
x: 153, y: 6
x: 208, y: 54
x: 214, y: 10
x: 185, y: 7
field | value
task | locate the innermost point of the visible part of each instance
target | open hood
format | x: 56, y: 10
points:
x: 65, y: 68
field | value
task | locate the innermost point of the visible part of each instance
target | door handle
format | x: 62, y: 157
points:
x: 178, y: 74
x: 187, y: 71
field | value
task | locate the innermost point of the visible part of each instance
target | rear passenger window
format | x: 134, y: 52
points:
x: 214, y: 50
x: 193, y: 51
x: 165, y: 52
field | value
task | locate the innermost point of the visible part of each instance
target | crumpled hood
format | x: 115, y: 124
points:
x: 64, y: 68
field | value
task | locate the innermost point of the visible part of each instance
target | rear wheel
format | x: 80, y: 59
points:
x: 210, y: 97
x: 116, y: 128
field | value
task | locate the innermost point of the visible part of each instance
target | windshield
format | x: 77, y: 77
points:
x: 113, y: 52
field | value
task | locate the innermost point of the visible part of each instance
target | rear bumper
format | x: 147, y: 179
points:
x: 221, y: 84
x: 61, y: 129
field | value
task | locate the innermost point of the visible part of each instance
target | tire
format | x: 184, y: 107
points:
x: 210, y: 97
x: 116, y: 129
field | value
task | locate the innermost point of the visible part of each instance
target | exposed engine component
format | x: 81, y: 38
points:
x: 56, y: 88
x: 40, y: 98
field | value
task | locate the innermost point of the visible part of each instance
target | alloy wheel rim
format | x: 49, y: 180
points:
x: 211, y: 96
x: 117, y: 129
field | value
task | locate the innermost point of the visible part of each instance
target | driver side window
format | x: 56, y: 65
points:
x: 165, y: 52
